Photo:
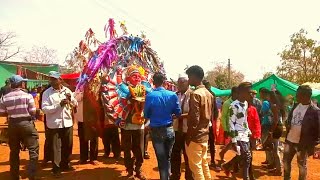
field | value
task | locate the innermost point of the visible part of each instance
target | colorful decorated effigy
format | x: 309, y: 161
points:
x: 117, y: 77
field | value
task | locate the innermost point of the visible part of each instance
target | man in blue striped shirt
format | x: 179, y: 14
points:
x: 19, y: 107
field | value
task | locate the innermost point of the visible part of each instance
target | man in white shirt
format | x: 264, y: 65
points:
x: 240, y: 132
x: 58, y: 103
x: 180, y: 127
x: 303, y: 132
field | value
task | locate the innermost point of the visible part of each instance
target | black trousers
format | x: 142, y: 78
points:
x: 244, y: 160
x: 111, y: 141
x: 84, y: 145
x: 61, y: 140
x: 178, y: 148
x: 47, y: 150
x: 133, y: 140
x: 23, y: 130
x: 146, y: 140
x: 212, y: 145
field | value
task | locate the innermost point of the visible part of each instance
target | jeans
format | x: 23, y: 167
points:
x: 62, y: 141
x: 264, y: 136
x: 245, y: 158
x: 132, y: 140
x: 23, y: 130
x: 197, y: 157
x: 290, y: 150
x: 273, y: 157
x: 163, y: 140
x: 111, y: 141
x: 146, y: 140
x: 178, y: 148
x: 84, y: 145
x: 233, y: 164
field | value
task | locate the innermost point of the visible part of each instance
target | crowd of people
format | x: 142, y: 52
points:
x: 179, y: 123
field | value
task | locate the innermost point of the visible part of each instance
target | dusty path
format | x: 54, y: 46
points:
x: 108, y: 169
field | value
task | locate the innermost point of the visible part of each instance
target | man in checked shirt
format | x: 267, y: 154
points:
x: 19, y: 107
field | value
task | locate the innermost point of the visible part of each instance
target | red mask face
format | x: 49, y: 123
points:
x: 134, y: 79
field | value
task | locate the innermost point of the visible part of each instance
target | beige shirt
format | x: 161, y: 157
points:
x: 185, y: 108
x: 79, y: 115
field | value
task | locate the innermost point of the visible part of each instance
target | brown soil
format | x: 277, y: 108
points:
x: 110, y: 169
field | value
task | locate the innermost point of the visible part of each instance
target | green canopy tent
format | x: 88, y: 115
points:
x: 284, y: 86
x: 36, y: 73
x: 6, y: 71
x: 220, y: 92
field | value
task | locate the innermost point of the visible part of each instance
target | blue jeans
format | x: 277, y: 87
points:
x: 290, y: 150
x: 274, y: 157
x: 163, y: 140
x: 245, y: 157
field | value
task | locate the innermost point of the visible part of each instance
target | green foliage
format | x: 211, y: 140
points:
x: 266, y: 75
x: 300, y: 61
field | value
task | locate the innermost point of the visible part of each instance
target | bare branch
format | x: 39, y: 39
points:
x: 42, y: 55
x: 7, y: 43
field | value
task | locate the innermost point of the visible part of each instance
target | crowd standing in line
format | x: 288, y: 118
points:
x: 180, y: 123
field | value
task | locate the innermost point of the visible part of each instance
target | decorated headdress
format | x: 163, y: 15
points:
x: 132, y: 69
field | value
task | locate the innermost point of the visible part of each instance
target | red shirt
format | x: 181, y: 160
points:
x: 254, y: 122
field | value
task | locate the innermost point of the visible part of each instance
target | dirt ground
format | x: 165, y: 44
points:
x: 110, y: 169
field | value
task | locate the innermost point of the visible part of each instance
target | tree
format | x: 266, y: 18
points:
x: 218, y: 76
x: 6, y: 45
x: 75, y: 61
x: 41, y: 54
x: 300, y: 61
x: 266, y: 75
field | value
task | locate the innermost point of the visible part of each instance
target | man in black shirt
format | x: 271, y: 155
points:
x: 5, y: 89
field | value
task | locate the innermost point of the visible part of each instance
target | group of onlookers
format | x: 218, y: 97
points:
x: 264, y: 125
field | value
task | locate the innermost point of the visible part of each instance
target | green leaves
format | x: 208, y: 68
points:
x: 300, y: 61
x: 218, y: 76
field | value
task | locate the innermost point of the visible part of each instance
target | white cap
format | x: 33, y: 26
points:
x: 183, y: 76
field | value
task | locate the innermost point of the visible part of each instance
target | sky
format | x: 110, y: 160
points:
x: 183, y: 32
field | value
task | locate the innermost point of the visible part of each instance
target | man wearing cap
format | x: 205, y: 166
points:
x: 19, y: 107
x: 256, y: 102
x: 57, y: 104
